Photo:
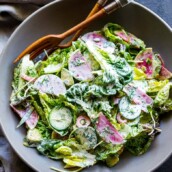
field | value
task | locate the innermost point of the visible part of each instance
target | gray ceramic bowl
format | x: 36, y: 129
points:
x: 56, y: 18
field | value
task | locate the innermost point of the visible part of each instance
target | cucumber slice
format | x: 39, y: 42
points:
x: 128, y: 110
x: 86, y: 137
x: 52, y: 68
x: 66, y: 77
x: 134, y: 122
x: 60, y: 119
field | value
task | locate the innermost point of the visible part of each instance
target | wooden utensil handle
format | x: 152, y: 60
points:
x: 83, y: 24
x: 96, y: 8
x: 106, y: 10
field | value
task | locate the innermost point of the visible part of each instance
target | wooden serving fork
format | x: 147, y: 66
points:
x: 53, y: 40
x: 96, y: 8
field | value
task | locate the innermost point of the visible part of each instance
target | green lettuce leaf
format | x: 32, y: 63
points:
x: 140, y: 144
x: 163, y: 95
x: 117, y: 34
x: 104, y: 150
x: 116, y: 71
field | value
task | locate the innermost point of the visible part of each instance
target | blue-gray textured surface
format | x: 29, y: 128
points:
x: 161, y: 7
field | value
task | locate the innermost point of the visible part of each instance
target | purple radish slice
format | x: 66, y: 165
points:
x: 138, y: 96
x: 145, y: 59
x: 83, y: 121
x: 160, y: 58
x: 133, y: 40
x: 99, y: 41
x: 50, y: 84
x: 120, y: 120
x: 122, y: 34
x: 28, y: 78
x: 79, y: 67
x: 32, y: 121
x: 164, y: 74
x: 107, y: 131
x: 128, y: 37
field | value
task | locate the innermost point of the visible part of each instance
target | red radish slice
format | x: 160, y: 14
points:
x: 120, y: 120
x: 127, y: 37
x: 145, y: 59
x: 133, y: 40
x: 28, y: 78
x: 160, y: 58
x: 50, y: 84
x: 164, y: 74
x: 33, y: 119
x: 100, y: 41
x: 138, y: 96
x: 83, y: 121
x: 107, y: 131
x: 123, y: 35
x: 79, y: 67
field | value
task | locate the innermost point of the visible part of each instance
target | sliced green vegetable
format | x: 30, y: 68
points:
x: 67, y: 77
x: 86, y: 137
x: 128, y: 110
x: 52, y: 68
x: 60, y: 119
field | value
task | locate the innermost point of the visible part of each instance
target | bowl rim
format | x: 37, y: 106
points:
x: 35, y: 13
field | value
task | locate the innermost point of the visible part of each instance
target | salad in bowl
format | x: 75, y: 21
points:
x: 90, y: 102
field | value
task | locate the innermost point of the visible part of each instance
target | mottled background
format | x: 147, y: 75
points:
x: 161, y: 7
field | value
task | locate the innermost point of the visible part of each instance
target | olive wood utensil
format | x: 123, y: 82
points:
x: 96, y: 8
x: 51, y: 41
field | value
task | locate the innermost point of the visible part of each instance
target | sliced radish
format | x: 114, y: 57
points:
x: 33, y: 119
x: 160, y: 58
x: 133, y: 40
x: 145, y: 59
x: 120, y: 120
x: 27, y: 78
x: 83, y: 121
x: 100, y: 41
x: 79, y: 67
x: 50, y: 84
x: 123, y: 35
x: 107, y: 131
x: 164, y: 74
x: 138, y: 96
